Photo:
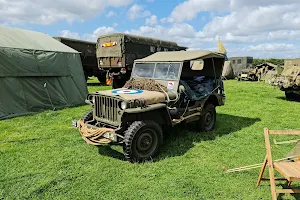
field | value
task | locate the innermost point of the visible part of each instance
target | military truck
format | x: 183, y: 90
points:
x: 116, y: 53
x: 88, y: 56
x: 186, y: 88
x: 241, y: 63
x: 289, y: 82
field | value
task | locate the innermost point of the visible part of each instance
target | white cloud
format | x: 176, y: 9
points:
x: 137, y: 11
x: 151, y: 20
x: 69, y: 34
x: 110, y: 14
x: 189, y: 9
x: 284, y: 35
x: 115, y: 24
x: 47, y: 12
x: 269, y: 47
x: 98, y: 32
x: 182, y: 33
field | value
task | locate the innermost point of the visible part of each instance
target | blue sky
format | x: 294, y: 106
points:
x: 264, y: 29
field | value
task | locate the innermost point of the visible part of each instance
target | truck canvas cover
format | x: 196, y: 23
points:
x: 118, y: 40
x: 37, y: 73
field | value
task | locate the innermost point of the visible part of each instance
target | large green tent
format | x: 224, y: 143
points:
x: 37, y: 72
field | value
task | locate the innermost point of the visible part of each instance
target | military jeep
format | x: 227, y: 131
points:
x: 189, y: 89
x: 248, y: 75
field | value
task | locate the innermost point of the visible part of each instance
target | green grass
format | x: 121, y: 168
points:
x: 43, y: 157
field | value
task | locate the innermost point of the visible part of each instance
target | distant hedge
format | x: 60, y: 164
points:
x: 275, y: 61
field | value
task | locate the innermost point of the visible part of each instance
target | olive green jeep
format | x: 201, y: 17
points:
x: 188, y: 89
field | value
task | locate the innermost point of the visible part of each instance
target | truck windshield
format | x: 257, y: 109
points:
x: 166, y: 71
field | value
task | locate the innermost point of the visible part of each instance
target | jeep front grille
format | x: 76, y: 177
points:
x: 106, y: 110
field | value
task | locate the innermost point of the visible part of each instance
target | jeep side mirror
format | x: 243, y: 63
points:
x: 181, y: 89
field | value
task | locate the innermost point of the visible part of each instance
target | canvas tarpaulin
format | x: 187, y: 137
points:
x: 32, y: 80
x: 180, y: 56
x: 227, y: 72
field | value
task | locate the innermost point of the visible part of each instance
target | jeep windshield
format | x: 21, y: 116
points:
x: 162, y: 71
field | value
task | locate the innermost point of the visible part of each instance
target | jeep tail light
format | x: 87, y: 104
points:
x: 119, y: 62
x: 123, y: 70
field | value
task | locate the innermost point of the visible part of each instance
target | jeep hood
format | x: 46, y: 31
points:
x: 150, y: 97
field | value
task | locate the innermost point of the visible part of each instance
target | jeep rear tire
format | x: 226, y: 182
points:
x: 208, y: 118
x: 142, y: 141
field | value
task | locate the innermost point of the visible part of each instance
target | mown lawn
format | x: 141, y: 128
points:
x: 43, y: 157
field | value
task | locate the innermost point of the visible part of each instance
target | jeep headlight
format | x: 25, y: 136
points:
x: 123, y: 105
x: 93, y: 99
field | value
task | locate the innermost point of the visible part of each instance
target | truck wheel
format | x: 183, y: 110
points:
x: 208, y: 118
x: 142, y: 140
x: 117, y: 83
x: 85, y: 76
x: 290, y: 95
x: 88, y: 116
x: 102, y: 78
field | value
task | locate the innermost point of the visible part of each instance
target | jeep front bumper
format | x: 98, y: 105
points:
x: 95, y: 135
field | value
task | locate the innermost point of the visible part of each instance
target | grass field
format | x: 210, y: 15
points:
x: 43, y: 157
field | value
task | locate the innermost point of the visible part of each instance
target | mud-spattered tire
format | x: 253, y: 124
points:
x: 208, y: 118
x: 142, y: 141
x: 88, y: 116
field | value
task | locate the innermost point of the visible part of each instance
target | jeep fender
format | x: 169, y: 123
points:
x: 156, y: 112
x: 213, y: 99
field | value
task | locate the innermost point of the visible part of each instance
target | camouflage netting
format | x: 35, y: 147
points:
x: 144, y: 84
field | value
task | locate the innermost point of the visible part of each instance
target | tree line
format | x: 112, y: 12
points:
x: 275, y: 61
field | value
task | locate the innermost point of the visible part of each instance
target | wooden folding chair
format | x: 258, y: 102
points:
x: 288, y: 169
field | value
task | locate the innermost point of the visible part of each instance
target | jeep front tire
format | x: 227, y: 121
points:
x: 142, y: 141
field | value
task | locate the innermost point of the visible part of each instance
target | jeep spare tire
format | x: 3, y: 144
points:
x: 142, y: 141
x: 208, y: 118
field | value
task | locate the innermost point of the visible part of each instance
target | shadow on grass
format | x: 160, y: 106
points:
x: 96, y: 84
x: 181, y: 138
x: 178, y: 142
x: 107, y: 150
x: 288, y: 99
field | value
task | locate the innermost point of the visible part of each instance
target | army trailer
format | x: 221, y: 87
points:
x: 116, y: 53
x: 87, y: 54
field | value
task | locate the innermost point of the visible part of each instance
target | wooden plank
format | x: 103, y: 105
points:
x: 270, y: 164
x: 262, y: 170
x: 284, y: 132
x: 276, y: 179
x: 288, y: 169
x: 290, y: 191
